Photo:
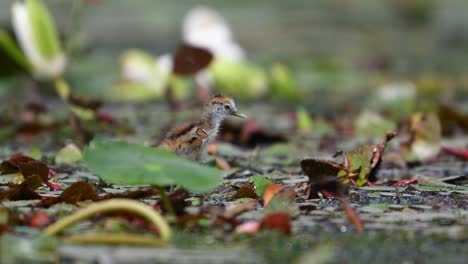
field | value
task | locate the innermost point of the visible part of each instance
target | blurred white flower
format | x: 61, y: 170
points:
x: 204, y: 27
x: 38, y: 38
x: 140, y: 67
x: 396, y: 91
x: 166, y: 63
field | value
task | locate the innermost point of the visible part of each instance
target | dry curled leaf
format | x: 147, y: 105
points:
x: 23, y: 191
x: 78, y: 191
x: 270, y: 191
x: 245, y: 191
x: 357, y: 166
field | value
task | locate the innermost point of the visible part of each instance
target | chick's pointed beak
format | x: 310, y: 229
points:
x: 238, y: 114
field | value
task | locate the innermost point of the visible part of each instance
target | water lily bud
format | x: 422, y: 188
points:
x: 142, y: 76
x: 239, y: 79
x: 38, y: 38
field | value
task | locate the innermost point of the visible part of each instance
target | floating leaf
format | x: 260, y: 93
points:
x: 123, y: 163
x: 260, y: 183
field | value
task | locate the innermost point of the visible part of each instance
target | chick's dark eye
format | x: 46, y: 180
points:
x: 227, y: 107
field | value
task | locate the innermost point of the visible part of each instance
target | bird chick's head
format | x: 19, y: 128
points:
x: 222, y: 106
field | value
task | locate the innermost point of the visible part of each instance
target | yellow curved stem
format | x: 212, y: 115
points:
x: 113, y: 205
x: 106, y: 238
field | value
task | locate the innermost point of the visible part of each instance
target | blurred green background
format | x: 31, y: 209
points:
x: 330, y: 46
x: 403, y: 35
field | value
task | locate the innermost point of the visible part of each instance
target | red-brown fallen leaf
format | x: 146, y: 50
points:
x: 278, y: 221
x: 22, y: 191
x: 404, y: 183
x: 458, y: 152
x: 28, y: 167
x: 320, y: 169
x: 40, y: 219
x: 270, y: 191
x: 34, y: 167
x: 188, y: 59
x: 245, y: 191
x: 78, y: 191
x: 353, y: 217
x: 359, y: 165
x: 222, y: 163
x: 249, y: 227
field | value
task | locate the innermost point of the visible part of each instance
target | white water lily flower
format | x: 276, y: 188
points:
x: 140, y: 67
x: 166, y: 63
x: 38, y: 38
x: 204, y: 27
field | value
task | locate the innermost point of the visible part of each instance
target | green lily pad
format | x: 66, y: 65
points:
x: 124, y: 163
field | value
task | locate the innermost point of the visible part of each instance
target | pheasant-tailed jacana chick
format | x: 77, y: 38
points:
x: 186, y: 140
x: 215, y: 110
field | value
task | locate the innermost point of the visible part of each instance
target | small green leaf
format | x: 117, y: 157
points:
x: 304, y: 122
x: 35, y: 153
x: 283, y: 84
x: 43, y: 29
x: 260, y: 183
x: 124, y: 163
x: 12, y: 49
